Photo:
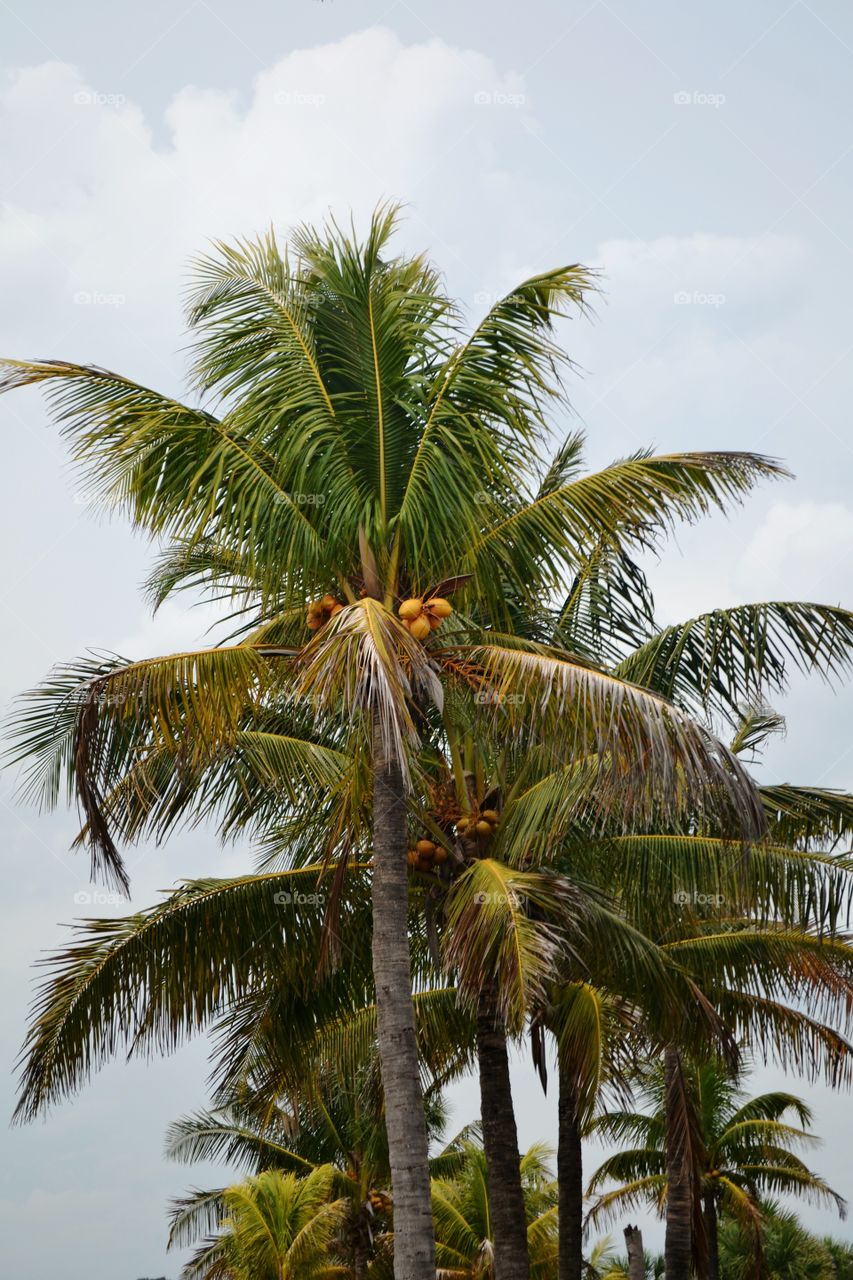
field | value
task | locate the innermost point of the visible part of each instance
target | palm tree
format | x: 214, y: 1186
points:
x: 334, y: 1121
x: 744, y: 1148
x: 357, y: 420
x: 790, y: 1252
x: 712, y: 664
x: 277, y: 1226
x: 465, y: 1217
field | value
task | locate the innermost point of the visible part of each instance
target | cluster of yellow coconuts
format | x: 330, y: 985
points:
x: 320, y: 611
x: 379, y: 1201
x: 423, y: 616
x: 426, y: 855
x: 478, y: 826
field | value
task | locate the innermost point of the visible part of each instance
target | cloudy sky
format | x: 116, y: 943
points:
x: 701, y: 156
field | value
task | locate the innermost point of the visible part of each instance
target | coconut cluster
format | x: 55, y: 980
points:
x: 426, y: 855
x: 479, y: 826
x: 320, y: 611
x: 379, y: 1202
x: 423, y: 616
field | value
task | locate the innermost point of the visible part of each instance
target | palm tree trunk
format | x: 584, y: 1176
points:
x: 414, y: 1246
x: 636, y: 1256
x: 500, y: 1142
x: 710, y: 1208
x: 569, y: 1179
x: 679, y: 1204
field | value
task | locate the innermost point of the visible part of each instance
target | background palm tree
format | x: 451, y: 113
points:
x: 276, y: 1226
x: 465, y: 1222
x: 744, y: 1149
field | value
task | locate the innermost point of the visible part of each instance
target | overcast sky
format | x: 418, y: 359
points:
x: 700, y: 155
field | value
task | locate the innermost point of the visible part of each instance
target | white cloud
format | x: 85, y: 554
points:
x: 94, y: 207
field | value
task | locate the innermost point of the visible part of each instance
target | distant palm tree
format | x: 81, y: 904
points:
x: 465, y: 1217
x: 276, y: 1226
x: 743, y: 1149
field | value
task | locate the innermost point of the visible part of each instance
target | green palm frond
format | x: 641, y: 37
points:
x: 154, y: 978
x: 648, y: 756
x: 723, y: 659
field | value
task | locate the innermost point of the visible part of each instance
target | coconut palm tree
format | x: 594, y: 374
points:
x: 465, y: 1217
x: 276, y: 1226
x: 334, y: 1121
x: 743, y: 1147
x: 357, y: 423
x: 711, y: 665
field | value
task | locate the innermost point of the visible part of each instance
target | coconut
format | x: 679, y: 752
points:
x: 328, y: 602
x: 440, y: 854
x: 490, y: 815
x: 411, y: 609
x: 435, y: 623
x: 483, y: 828
x: 336, y: 608
x: 440, y: 607
x: 424, y: 864
x: 420, y: 628
x: 412, y: 857
x: 313, y: 622
x: 425, y: 846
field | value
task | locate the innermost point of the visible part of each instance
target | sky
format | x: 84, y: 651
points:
x: 700, y: 156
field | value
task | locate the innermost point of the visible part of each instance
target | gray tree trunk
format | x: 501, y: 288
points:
x: 636, y: 1257
x: 500, y: 1142
x: 679, y: 1199
x: 414, y: 1245
x: 569, y: 1180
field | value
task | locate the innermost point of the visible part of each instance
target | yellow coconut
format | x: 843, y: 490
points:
x: 435, y: 623
x: 490, y: 815
x: 483, y: 828
x: 412, y: 857
x: 313, y: 622
x: 439, y: 606
x: 440, y: 854
x: 328, y: 602
x: 336, y: 608
x: 420, y: 628
x: 425, y: 847
x: 411, y: 609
